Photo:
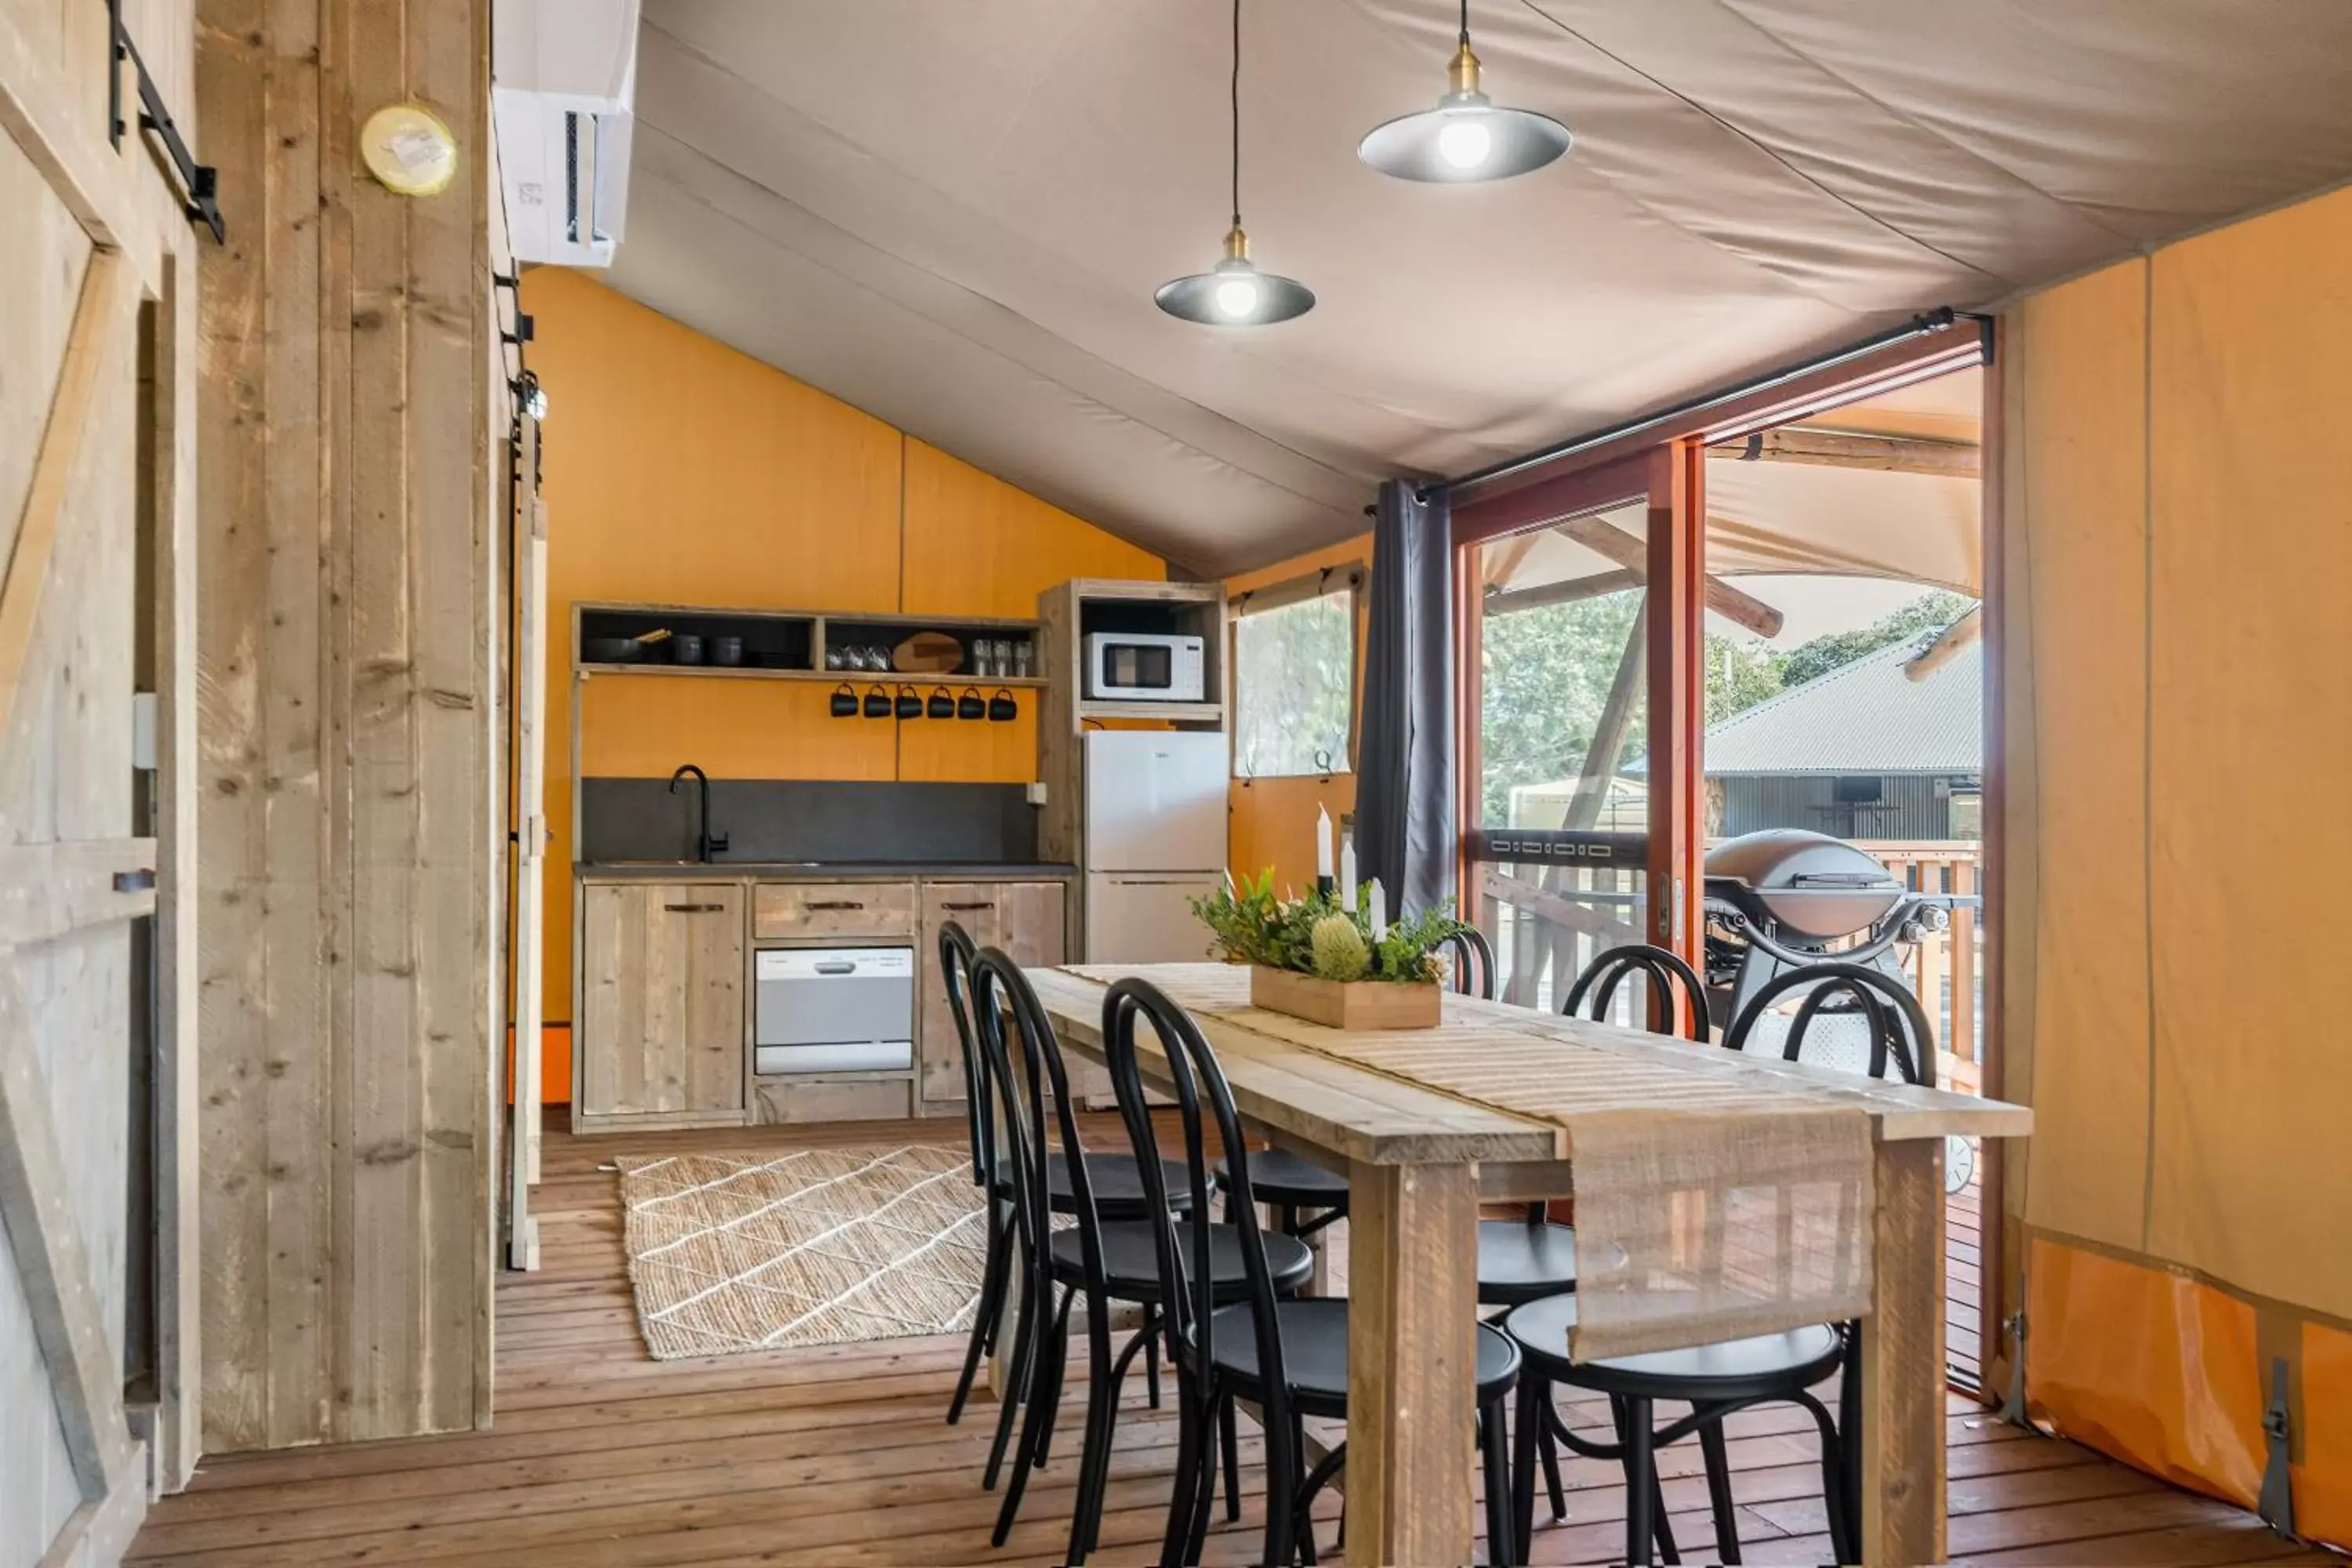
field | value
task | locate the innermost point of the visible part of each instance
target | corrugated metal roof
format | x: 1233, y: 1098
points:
x: 1866, y: 717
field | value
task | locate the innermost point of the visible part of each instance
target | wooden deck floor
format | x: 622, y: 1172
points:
x: 602, y: 1455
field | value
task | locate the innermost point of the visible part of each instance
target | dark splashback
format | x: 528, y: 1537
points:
x: 796, y: 819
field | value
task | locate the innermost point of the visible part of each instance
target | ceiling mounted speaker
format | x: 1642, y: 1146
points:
x: 1467, y: 137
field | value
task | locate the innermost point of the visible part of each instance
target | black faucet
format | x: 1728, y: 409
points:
x: 706, y: 843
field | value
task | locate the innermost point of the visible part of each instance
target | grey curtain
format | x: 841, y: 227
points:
x: 1404, y: 765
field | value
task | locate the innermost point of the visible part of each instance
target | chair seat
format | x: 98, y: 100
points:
x: 1754, y: 1368
x: 1519, y: 1262
x: 1118, y: 1182
x: 1315, y: 1354
x: 1290, y: 1180
x: 1131, y: 1260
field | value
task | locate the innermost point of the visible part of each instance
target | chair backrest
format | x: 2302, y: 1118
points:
x: 1187, y: 1304
x: 1899, y: 1032
x: 956, y: 953
x: 999, y: 989
x: 1596, y: 988
x: 1474, y: 962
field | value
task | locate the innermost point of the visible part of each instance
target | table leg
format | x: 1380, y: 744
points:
x: 1903, y: 1499
x: 1412, y: 1292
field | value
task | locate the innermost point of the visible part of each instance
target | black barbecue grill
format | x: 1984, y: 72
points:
x: 1788, y: 899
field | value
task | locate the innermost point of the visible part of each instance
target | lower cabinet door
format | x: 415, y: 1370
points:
x: 661, y: 999
x: 1025, y: 918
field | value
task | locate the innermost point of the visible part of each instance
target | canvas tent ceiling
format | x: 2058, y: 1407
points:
x: 954, y: 214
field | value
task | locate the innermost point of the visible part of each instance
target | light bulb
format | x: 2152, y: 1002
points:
x: 1237, y: 297
x: 1465, y: 143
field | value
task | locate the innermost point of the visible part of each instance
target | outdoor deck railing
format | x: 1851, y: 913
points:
x: 1547, y: 920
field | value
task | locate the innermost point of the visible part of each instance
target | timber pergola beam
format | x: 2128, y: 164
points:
x: 1856, y: 449
x: 1630, y: 553
x: 1575, y: 590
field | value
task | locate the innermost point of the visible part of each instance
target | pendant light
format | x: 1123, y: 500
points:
x: 1235, y: 293
x: 1466, y: 138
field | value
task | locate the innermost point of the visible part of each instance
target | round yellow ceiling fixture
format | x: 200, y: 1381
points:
x: 409, y: 150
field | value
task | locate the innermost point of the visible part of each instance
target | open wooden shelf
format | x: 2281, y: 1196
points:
x: 828, y: 676
x: 790, y: 645
x: 1172, y: 712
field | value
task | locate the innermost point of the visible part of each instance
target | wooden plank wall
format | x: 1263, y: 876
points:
x: 345, y: 643
x: 95, y: 524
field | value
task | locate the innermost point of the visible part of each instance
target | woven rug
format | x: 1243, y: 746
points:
x: 734, y: 1253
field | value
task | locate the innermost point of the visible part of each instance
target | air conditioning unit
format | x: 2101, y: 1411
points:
x: 564, y: 82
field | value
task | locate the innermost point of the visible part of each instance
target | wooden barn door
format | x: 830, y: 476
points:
x: 529, y: 567
x: 97, y: 298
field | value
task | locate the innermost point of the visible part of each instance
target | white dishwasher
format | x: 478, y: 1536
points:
x: 833, y: 1009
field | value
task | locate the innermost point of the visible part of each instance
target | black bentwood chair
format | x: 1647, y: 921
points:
x: 1117, y: 1185
x: 1287, y: 1357
x: 1474, y: 962
x: 1596, y: 988
x: 1108, y: 1260
x: 1519, y: 1262
x: 1895, y: 1034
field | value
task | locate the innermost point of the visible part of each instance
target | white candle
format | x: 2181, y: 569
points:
x: 1380, y: 909
x: 1348, y: 875
x: 1322, y: 845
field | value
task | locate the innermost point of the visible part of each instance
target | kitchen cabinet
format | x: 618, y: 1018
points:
x: 1025, y: 918
x: 661, y: 1026
x: 790, y: 910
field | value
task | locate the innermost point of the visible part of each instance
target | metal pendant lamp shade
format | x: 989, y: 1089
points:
x: 1467, y: 138
x: 1236, y: 293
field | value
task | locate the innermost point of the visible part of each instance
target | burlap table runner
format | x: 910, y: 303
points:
x: 1712, y: 1202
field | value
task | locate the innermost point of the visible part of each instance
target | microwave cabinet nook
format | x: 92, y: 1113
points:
x: 678, y: 1024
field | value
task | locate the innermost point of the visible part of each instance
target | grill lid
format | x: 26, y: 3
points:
x: 1796, y: 858
x: 1811, y: 885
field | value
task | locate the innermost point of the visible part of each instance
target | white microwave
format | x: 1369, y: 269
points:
x: 1139, y: 667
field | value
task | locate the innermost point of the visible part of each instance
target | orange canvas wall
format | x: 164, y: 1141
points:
x: 678, y: 471
x: 1272, y: 821
x: 2177, y: 519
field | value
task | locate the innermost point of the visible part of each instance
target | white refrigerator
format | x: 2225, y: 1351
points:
x: 1155, y: 840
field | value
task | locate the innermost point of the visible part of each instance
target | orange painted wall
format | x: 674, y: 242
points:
x: 1270, y: 821
x: 679, y: 472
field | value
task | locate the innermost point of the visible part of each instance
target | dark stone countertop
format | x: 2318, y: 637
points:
x: 827, y: 871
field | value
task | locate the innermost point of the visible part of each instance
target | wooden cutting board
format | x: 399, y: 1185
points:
x: 928, y: 653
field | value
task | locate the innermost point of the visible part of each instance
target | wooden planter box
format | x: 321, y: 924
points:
x: 1355, y: 1005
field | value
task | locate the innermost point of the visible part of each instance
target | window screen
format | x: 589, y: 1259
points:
x: 1295, y: 684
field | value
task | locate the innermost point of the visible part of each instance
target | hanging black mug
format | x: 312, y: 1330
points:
x: 969, y: 706
x: 909, y: 705
x: 845, y: 701
x: 943, y: 705
x: 877, y: 703
x: 1002, y: 708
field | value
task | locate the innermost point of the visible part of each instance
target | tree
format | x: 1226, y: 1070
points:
x: 1812, y: 660
x: 1547, y: 674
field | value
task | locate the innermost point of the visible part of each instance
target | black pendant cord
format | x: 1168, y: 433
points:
x: 1237, y: 112
x: 1465, y: 23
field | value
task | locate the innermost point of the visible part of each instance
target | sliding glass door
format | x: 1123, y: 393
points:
x: 1557, y: 839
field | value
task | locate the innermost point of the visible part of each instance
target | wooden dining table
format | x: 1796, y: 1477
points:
x: 1421, y: 1154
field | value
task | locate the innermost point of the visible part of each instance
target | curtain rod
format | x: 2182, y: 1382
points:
x: 1941, y: 318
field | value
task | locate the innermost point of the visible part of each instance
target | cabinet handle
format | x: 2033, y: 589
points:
x: 983, y: 904
x: 835, y: 904
x: 695, y: 908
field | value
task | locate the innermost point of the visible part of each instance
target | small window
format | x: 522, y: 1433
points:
x: 1295, y: 677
